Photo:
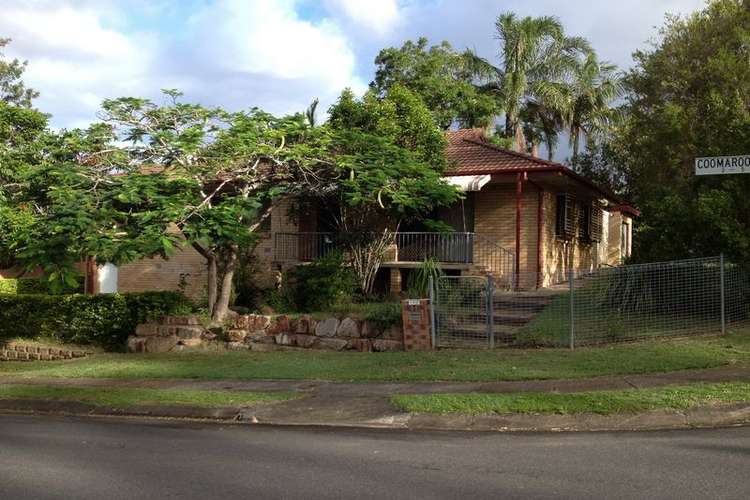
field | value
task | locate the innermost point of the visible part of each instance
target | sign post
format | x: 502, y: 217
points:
x: 718, y: 165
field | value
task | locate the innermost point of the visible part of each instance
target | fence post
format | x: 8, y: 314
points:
x: 572, y: 320
x: 490, y: 311
x: 433, y: 331
x: 723, y: 302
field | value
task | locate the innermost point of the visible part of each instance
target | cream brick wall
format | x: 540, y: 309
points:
x: 495, y: 217
x: 164, y: 274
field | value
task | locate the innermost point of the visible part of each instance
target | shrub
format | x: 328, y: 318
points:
x: 14, y: 286
x: 384, y: 315
x: 418, y: 283
x: 319, y: 285
x: 102, y: 320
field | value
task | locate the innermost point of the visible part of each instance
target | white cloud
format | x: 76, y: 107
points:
x: 264, y: 39
x: 379, y: 16
x: 231, y: 53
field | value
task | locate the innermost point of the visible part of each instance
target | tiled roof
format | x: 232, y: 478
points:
x: 469, y: 153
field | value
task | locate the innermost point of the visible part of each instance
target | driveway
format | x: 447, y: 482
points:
x: 56, y: 457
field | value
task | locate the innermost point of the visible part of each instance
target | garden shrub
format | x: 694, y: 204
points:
x: 101, y: 320
x: 15, y: 286
x: 319, y: 285
x: 384, y: 315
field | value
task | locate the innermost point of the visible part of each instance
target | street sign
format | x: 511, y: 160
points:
x: 717, y: 165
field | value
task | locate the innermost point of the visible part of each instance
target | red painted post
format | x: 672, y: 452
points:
x: 519, y: 196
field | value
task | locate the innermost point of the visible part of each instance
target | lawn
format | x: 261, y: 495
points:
x: 124, y: 397
x: 600, y: 402
x: 501, y: 364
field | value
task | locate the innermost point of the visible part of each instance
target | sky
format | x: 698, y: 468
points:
x: 278, y: 55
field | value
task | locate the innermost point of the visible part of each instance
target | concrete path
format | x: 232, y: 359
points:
x: 113, y: 459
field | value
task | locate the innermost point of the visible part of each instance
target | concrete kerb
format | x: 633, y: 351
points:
x: 699, y: 417
x: 335, y: 404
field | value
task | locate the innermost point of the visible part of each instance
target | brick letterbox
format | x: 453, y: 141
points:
x: 416, y: 319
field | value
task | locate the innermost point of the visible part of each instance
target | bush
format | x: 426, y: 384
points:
x: 318, y: 285
x: 14, y: 286
x: 101, y: 320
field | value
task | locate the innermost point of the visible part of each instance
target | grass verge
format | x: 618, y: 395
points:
x: 599, y: 402
x: 125, y: 397
x: 497, y: 365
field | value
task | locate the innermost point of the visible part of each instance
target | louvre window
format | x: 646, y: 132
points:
x: 565, y: 216
x: 597, y: 223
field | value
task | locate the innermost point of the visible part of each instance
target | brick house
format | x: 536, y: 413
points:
x: 526, y: 221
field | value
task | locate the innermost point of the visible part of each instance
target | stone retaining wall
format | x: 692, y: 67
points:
x: 26, y: 352
x: 267, y: 333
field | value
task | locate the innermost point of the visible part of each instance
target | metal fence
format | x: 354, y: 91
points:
x: 668, y: 299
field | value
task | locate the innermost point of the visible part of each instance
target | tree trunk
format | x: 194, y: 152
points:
x: 575, y: 132
x: 213, y: 279
x: 520, y: 139
x: 534, y: 150
x: 221, y: 306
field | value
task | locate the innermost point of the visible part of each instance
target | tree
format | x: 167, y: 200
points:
x: 442, y: 77
x: 535, y: 55
x: 12, y: 89
x: 20, y: 129
x: 594, y: 86
x: 400, y: 117
x: 389, y: 160
x: 688, y: 97
x: 153, y: 177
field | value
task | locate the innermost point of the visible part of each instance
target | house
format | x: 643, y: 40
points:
x: 527, y: 221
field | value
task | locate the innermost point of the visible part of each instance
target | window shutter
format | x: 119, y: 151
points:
x: 596, y: 223
x: 566, y: 215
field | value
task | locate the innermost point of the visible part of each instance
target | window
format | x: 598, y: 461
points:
x: 597, y: 224
x: 583, y: 229
x: 565, y: 216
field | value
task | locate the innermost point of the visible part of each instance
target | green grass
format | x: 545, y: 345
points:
x: 599, y: 402
x: 124, y: 397
x: 501, y: 364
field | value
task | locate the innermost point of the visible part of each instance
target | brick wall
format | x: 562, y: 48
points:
x: 495, y: 217
x: 165, y: 274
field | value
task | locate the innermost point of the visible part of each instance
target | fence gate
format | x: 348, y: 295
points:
x: 462, y: 315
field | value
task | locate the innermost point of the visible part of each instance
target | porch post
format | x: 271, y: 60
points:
x: 519, y: 195
x: 539, y: 239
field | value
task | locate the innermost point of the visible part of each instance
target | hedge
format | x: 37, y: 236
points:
x: 13, y: 286
x: 101, y: 320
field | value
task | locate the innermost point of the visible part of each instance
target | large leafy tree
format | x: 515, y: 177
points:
x: 12, y: 89
x: 399, y: 116
x: 441, y: 76
x: 152, y: 177
x: 389, y: 161
x: 21, y: 131
x: 535, y: 55
x: 688, y: 97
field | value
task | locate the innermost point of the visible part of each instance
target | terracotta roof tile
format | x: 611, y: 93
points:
x: 469, y: 152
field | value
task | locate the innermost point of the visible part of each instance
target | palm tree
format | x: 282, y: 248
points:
x: 593, y: 87
x: 535, y: 55
x: 542, y: 123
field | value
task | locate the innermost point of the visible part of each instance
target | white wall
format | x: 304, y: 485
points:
x: 107, y: 277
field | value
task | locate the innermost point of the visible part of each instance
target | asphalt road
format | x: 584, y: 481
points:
x: 51, y: 457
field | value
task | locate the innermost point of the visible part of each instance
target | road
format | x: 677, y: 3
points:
x: 57, y: 457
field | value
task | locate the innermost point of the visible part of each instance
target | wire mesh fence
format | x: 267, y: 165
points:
x: 668, y: 299
x: 461, y: 310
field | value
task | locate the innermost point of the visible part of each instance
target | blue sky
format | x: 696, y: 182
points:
x: 275, y: 54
